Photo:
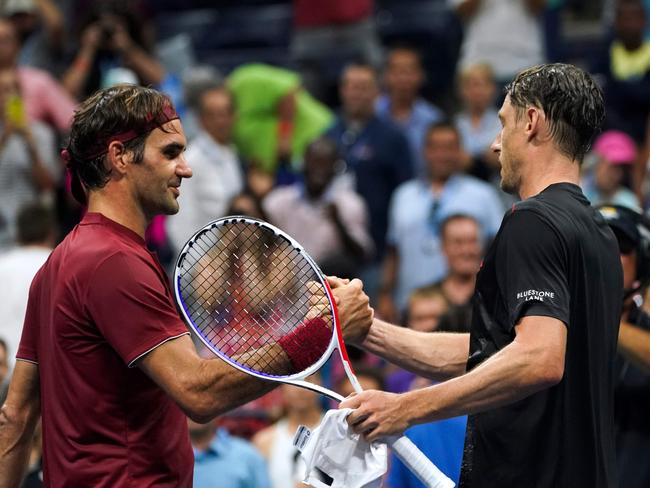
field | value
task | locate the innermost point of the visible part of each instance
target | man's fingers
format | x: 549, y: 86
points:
x: 351, y: 401
x: 335, y: 281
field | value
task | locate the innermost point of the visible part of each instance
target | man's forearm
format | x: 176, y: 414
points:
x: 517, y: 371
x: 15, y: 444
x: 18, y: 418
x: 437, y: 355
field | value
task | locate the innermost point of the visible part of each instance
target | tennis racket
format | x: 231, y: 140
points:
x: 258, y: 301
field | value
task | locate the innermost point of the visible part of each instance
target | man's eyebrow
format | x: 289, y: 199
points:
x: 174, y: 146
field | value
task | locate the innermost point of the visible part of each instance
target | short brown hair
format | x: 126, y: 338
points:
x: 116, y: 110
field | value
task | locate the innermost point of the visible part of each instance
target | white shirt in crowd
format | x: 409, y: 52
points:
x: 217, y: 178
x: 308, y: 222
x: 17, y: 270
x: 504, y: 34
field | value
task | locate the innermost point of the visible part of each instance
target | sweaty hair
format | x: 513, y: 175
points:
x: 105, y: 116
x: 570, y: 99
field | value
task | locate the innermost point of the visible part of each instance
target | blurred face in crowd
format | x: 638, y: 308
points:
x: 404, y: 75
x: 300, y: 399
x: 461, y: 244
x: 609, y: 177
x: 320, y: 164
x: 200, y: 432
x: 630, y: 23
x: 156, y: 180
x: 442, y: 151
x: 8, y: 44
x: 509, y: 144
x: 477, y: 88
x: 358, y: 92
x: 217, y: 114
x: 424, y: 313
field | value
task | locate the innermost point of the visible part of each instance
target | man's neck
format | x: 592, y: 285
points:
x: 126, y: 214
x: 476, y: 113
x: 437, y: 183
x: 202, y: 443
x: 544, y: 170
x: 219, y: 139
x: 401, y: 107
x: 358, y: 120
x: 459, y: 287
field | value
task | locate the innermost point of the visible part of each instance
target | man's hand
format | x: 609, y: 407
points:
x: 355, y: 313
x: 376, y: 414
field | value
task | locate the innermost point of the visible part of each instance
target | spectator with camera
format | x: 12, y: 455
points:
x: 632, y: 392
x: 114, y: 47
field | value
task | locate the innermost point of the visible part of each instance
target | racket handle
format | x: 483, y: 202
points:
x: 421, y: 466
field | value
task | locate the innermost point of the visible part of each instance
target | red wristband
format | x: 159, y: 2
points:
x: 306, y: 343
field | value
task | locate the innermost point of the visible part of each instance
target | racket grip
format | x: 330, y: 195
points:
x: 421, y: 466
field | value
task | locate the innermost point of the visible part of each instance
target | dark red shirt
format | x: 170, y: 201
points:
x: 99, y: 303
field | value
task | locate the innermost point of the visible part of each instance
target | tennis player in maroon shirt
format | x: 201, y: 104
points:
x: 104, y: 357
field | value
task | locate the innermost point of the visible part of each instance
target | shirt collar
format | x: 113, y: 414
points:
x: 93, y: 218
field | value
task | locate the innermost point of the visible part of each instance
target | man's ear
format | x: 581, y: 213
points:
x: 532, y: 122
x: 118, y: 157
x: 536, y: 124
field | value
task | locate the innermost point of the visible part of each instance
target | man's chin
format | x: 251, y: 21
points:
x: 172, y: 208
x: 509, y: 186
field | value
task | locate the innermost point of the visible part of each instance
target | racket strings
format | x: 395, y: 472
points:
x: 245, y: 289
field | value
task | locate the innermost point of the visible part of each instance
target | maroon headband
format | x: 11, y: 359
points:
x: 153, y: 122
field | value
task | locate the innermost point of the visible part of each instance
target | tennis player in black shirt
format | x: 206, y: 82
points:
x: 535, y: 374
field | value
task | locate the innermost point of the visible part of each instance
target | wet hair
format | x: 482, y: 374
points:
x: 570, y: 99
x: 108, y: 115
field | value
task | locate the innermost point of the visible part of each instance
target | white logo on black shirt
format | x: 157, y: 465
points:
x: 537, y: 295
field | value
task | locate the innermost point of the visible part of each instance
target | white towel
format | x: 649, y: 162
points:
x: 336, y: 457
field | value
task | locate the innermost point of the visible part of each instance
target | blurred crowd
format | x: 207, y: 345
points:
x: 362, y: 128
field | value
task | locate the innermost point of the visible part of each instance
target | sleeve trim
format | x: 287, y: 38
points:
x: 27, y: 360
x: 132, y: 363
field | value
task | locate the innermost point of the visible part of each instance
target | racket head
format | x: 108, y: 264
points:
x: 208, y: 296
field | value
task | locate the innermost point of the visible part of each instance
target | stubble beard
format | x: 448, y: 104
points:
x: 510, y: 179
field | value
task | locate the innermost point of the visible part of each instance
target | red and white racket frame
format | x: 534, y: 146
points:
x: 403, y: 447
